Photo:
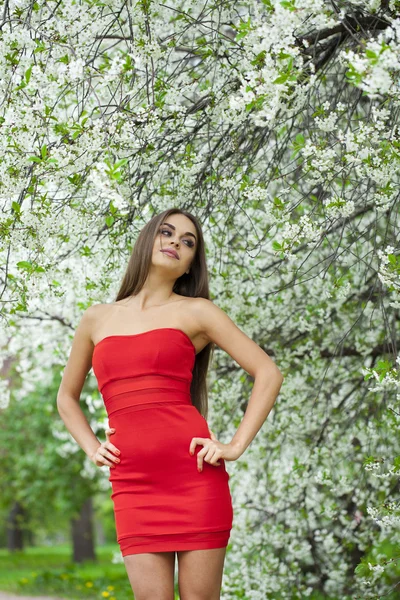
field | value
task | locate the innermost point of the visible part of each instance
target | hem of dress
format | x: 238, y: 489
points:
x: 174, y: 542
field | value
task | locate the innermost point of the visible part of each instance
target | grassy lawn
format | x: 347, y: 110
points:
x: 50, y: 571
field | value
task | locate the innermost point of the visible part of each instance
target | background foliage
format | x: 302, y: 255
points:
x: 276, y: 123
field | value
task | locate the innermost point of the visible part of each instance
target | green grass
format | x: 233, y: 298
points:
x: 50, y: 571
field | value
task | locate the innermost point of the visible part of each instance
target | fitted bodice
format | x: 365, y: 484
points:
x: 130, y: 368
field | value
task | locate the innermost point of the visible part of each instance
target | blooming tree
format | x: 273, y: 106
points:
x: 276, y: 122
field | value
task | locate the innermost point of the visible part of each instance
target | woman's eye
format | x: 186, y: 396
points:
x: 189, y: 243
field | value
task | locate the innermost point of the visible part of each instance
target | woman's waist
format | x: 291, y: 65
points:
x: 145, y: 390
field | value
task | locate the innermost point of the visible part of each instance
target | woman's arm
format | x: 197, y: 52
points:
x: 265, y: 390
x: 78, y: 365
x: 219, y: 328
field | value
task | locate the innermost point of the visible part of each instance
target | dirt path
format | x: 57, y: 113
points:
x: 7, y: 596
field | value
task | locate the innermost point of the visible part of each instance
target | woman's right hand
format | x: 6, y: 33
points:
x: 103, y: 453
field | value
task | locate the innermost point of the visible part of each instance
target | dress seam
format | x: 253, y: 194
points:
x: 169, y: 534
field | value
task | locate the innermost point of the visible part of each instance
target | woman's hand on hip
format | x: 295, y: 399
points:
x: 212, y: 451
x: 103, y: 456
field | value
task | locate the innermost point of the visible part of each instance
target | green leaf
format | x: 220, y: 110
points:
x: 362, y: 570
x: 268, y: 4
x: 300, y: 141
x: 28, y: 74
x: 121, y: 162
x: 291, y: 5
x: 24, y: 265
x: 282, y: 78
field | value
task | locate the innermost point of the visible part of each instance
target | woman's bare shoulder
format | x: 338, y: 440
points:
x: 96, y: 309
x: 97, y: 312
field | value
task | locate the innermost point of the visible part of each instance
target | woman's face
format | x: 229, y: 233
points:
x: 178, y: 235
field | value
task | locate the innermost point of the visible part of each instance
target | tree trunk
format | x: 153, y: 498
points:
x: 82, y: 534
x: 15, y: 538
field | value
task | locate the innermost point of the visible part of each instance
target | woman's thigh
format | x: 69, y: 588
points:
x: 200, y: 573
x: 151, y: 575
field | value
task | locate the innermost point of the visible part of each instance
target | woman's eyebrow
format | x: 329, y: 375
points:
x: 173, y: 227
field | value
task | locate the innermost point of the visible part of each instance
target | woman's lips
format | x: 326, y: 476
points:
x: 170, y: 253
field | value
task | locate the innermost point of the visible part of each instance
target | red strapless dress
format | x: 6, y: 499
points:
x: 161, y: 502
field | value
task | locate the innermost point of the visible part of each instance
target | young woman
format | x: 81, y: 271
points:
x: 150, y: 351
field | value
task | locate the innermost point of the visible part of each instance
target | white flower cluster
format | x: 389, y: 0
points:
x: 327, y: 124
x: 389, y: 271
x: 117, y: 558
x: 304, y: 231
x: 93, y: 404
x: 90, y: 472
x: 390, y: 520
x: 376, y: 68
x: 338, y: 207
x: 4, y: 394
x: 378, y: 568
x: 67, y: 449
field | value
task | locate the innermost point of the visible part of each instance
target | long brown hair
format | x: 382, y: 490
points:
x: 194, y: 284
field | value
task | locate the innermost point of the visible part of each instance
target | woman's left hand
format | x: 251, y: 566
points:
x: 212, y: 451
